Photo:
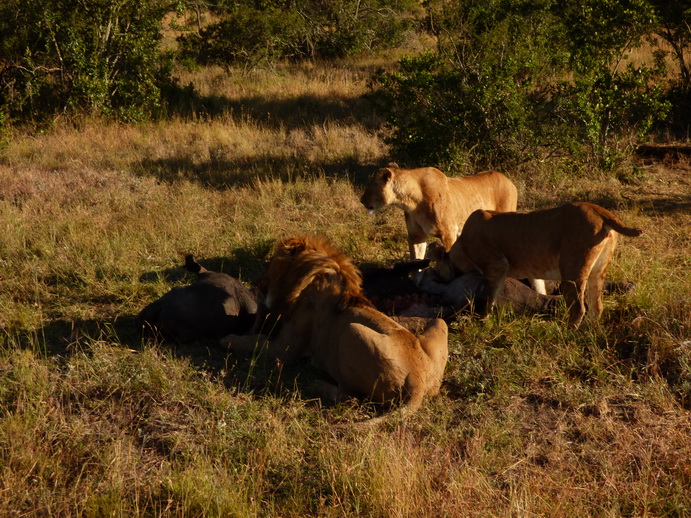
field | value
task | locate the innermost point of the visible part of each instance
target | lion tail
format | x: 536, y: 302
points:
x: 615, y: 223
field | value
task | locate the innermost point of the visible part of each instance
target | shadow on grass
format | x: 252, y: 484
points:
x: 247, y: 264
x: 670, y: 204
x: 61, y: 339
x: 258, y: 375
x: 299, y: 111
x: 302, y: 111
x: 225, y: 174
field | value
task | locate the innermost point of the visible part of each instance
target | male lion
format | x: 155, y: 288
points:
x: 313, y: 292
x: 572, y: 243
x: 435, y: 204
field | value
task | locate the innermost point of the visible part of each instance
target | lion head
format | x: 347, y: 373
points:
x: 306, y: 262
x: 379, y: 190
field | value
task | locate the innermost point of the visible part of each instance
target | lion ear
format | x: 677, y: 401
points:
x: 393, y: 164
x: 386, y: 175
x: 294, y: 245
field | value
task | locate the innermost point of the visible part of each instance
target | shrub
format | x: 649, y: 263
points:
x: 250, y: 33
x: 515, y: 79
x: 67, y: 56
x: 246, y: 36
x: 472, y: 100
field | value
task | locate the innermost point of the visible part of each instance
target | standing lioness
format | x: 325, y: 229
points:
x: 573, y: 243
x: 435, y: 204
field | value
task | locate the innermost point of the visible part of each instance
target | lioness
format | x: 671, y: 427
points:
x: 314, y: 293
x: 572, y: 243
x: 434, y: 204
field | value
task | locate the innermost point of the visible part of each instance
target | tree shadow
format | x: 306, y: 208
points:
x: 221, y: 171
x: 299, y: 111
x: 223, y: 174
x: 670, y: 204
x: 650, y: 205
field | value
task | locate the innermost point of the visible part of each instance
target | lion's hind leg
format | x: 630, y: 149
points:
x: 574, y: 274
x: 435, y: 343
x: 574, y: 293
x: 596, y: 278
x: 330, y: 392
x: 538, y: 285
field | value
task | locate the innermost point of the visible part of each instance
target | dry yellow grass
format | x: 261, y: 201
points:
x: 533, y: 419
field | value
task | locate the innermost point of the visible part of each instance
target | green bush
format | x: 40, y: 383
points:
x: 515, y: 79
x: 450, y: 116
x: 608, y: 112
x: 251, y: 33
x: 246, y: 36
x: 473, y: 100
x: 100, y: 57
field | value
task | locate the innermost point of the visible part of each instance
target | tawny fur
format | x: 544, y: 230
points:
x: 315, y: 293
x: 434, y: 204
x: 572, y: 243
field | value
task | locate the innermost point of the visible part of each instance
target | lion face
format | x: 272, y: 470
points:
x: 301, y: 262
x: 379, y: 191
x: 273, y: 283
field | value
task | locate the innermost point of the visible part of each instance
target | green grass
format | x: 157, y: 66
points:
x: 533, y: 419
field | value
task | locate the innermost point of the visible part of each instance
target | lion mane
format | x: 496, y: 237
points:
x: 301, y: 262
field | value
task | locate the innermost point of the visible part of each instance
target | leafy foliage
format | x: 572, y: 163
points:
x: 674, y: 27
x: 250, y: 33
x: 100, y: 57
x: 449, y: 116
x: 512, y: 79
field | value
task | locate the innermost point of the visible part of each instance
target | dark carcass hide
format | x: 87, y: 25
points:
x: 393, y: 292
x: 215, y: 305
x: 469, y: 292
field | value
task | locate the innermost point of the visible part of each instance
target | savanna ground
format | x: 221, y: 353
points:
x: 534, y: 419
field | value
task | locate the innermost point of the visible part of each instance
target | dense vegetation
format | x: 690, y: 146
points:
x: 515, y: 80
x: 224, y: 158
x: 506, y: 82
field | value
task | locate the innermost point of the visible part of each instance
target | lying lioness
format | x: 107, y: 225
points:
x: 313, y: 292
x: 573, y: 243
x: 434, y: 204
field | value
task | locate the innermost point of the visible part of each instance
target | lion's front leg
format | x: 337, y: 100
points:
x: 285, y: 351
x: 417, y: 239
x: 448, y: 236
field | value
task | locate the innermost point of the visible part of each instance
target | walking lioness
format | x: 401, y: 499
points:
x: 573, y: 243
x: 434, y: 204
